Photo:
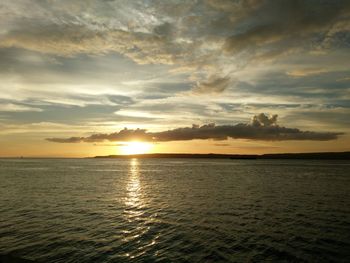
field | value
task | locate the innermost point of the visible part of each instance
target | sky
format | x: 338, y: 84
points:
x: 94, y: 77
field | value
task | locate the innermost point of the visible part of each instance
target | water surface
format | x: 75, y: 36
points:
x: 175, y: 210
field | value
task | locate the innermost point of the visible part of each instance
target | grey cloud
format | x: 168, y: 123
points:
x: 235, y: 6
x: 316, y: 86
x: 110, y: 144
x: 68, y: 40
x: 69, y: 114
x: 86, y: 71
x: 334, y: 116
x: 123, y: 135
x: 68, y: 140
x: 213, y: 85
x: 157, y: 26
x: 165, y: 29
x: 121, y: 100
x: 188, y: 34
x: 287, y: 20
x: 261, y: 127
x: 222, y: 144
x: 15, y: 107
x: 264, y: 120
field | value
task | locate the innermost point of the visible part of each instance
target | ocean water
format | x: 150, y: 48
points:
x: 175, y: 210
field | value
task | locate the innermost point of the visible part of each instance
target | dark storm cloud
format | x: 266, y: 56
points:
x: 261, y: 127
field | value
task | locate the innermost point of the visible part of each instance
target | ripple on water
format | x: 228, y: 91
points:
x: 175, y: 210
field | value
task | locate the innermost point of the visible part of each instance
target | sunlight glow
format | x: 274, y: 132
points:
x: 135, y: 147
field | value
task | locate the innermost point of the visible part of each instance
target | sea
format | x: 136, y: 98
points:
x: 175, y: 210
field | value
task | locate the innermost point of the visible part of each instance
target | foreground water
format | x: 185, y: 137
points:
x: 175, y: 210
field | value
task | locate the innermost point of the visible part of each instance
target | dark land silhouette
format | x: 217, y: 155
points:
x: 302, y: 156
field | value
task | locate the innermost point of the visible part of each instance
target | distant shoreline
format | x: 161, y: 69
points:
x: 302, y: 156
x: 292, y: 156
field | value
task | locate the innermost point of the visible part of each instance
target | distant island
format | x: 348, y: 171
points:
x: 302, y: 156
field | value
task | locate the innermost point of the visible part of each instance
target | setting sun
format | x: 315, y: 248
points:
x: 135, y: 148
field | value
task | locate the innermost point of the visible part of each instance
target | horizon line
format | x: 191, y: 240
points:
x: 174, y: 154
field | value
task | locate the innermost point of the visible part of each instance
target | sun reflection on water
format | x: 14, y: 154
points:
x: 133, y: 188
x: 138, y: 217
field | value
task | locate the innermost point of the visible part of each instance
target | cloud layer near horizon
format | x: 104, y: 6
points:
x: 261, y: 127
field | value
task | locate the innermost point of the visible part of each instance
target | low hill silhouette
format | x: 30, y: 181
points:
x: 302, y: 156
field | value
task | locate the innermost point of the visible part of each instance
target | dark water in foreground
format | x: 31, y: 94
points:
x: 175, y: 210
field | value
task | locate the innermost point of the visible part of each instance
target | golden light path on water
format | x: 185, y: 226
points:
x: 136, y: 214
x: 133, y: 188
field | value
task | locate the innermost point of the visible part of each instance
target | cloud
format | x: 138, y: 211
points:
x: 213, y: 85
x: 222, y: 144
x: 111, y: 144
x: 344, y: 79
x: 204, y: 38
x: 294, y: 21
x: 306, y: 72
x: 67, y: 140
x: 261, y: 127
x: 68, y: 40
x: 123, y: 135
x: 64, y: 113
x: 10, y: 107
x: 263, y: 120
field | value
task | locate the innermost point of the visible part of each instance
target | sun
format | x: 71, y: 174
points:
x: 135, y: 147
